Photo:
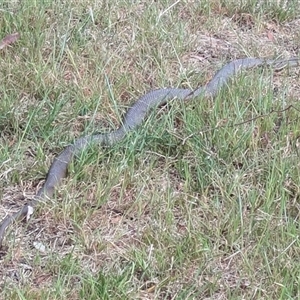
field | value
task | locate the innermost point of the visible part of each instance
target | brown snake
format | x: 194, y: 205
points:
x: 134, y: 117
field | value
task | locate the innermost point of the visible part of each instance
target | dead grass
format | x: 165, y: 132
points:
x: 190, y: 206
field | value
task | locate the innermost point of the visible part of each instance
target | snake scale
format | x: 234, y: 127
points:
x: 134, y: 117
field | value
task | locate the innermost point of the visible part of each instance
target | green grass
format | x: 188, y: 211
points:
x: 201, y: 202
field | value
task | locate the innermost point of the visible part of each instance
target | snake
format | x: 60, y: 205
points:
x: 134, y: 116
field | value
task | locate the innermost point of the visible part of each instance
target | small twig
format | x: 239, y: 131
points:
x: 241, y: 123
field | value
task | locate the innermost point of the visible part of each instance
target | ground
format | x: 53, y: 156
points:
x: 201, y: 201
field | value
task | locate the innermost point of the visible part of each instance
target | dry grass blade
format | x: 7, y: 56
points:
x: 9, y: 39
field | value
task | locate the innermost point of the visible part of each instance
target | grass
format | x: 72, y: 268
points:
x: 201, y: 202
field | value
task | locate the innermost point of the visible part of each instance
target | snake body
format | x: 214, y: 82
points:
x: 133, y: 118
